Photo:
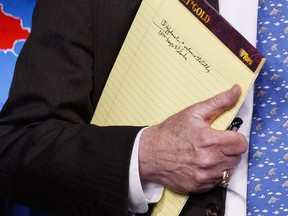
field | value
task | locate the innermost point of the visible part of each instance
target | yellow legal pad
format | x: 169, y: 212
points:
x: 170, y: 60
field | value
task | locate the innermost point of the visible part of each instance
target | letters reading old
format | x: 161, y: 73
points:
x: 197, y: 10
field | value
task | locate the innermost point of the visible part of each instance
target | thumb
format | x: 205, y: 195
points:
x: 221, y: 102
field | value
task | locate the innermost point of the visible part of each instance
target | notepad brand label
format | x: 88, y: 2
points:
x: 197, y: 10
x: 245, y: 56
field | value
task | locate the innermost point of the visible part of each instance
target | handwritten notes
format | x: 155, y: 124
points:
x: 178, y: 44
x: 168, y: 61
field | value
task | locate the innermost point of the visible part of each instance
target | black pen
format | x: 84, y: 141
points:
x: 235, y: 124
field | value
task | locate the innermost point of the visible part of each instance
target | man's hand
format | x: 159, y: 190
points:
x: 185, y: 154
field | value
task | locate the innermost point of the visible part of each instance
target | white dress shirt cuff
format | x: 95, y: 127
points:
x: 141, y: 193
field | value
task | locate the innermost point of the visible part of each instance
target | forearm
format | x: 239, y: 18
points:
x: 67, y: 168
x: 51, y: 157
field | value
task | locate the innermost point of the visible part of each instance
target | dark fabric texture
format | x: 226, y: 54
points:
x: 211, y: 203
x: 51, y: 158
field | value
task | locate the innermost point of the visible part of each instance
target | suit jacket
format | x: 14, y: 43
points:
x: 51, y: 158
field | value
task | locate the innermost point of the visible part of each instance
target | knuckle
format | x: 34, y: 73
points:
x: 217, y: 101
x: 205, y: 139
x: 206, y: 162
x: 201, y: 178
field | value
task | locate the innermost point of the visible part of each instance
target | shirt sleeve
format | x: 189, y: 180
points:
x: 141, y: 193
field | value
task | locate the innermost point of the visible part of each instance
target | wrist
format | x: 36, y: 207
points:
x: 147, y: 154
x: 141, y: 193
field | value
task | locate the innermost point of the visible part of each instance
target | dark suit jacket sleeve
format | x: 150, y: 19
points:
x: 50, y: 156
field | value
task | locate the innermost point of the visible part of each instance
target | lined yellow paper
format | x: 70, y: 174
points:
x: 168, y: 61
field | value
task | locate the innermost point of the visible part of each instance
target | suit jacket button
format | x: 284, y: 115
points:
x: 212, y: 210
